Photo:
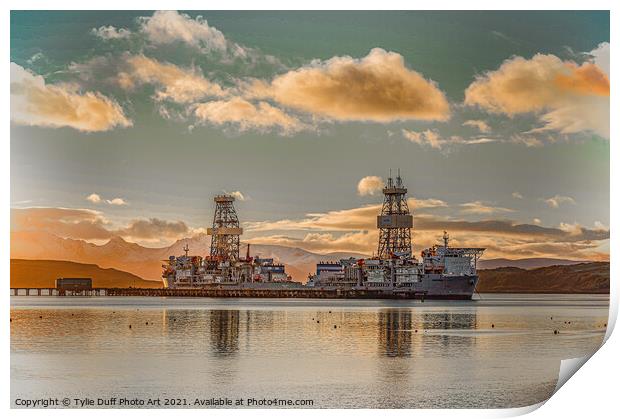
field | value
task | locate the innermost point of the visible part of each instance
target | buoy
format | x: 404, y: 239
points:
x: 492, y: 325
x: 318, y: 321
x: 335, y: 327
x: 40, y: 317
x: 605, y: 324
x: 11, y: 319
x: 147, y: 323
x: 555, y: 332
x: 130, y: 326
x: 416, y: 330
x: 551, y: 317
x: 568, y: 322
x: 330, y: 311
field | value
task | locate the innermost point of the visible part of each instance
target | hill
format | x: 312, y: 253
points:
x: 527, y: 263
x: 43, y: 273
x: 583, y: 278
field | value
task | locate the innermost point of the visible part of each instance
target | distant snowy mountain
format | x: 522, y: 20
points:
x: 146, y: 261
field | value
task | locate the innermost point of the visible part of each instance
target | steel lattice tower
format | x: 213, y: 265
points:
x: 395, y: 221
x: 225, y: 231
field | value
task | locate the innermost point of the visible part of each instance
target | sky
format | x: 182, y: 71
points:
x: 128, y: 123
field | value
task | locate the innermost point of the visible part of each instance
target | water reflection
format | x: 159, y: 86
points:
x: 337, y: 353
x: 398, y: 327
x: 224, y: 326
x: 395, y: 333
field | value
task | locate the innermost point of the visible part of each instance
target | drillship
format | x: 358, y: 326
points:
x: 223, y: 266
x: 442, y: 271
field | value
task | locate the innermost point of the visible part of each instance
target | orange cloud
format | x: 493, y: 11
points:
x: 34, y: 102
x: 246, y: 115
x: 174, y: 83
x: 571, y: 97
x: 92, y: 225
x: 378, y: 87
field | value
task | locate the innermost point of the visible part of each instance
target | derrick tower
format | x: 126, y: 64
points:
x: 225, y: 231
x: 395, y: 221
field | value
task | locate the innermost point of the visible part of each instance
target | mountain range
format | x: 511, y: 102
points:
x: 145, y: 262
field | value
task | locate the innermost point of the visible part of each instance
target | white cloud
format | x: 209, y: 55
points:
x: 557, y: 200
x: 166, y: 27
x: 601, y: 56
x: 94, y: 198
x: 432, y: 138
x: 34, y: 102
x: 537, y: 221
x: 517, y: 195
x: 237, y: 195
x: 479, y: 207
x: 370, y: 185
x: 116, y: 201
x: 526, y: 140
x: 110, y: 32
x: 482, y: 126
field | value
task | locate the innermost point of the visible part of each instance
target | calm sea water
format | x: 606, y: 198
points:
x: 499, y: 351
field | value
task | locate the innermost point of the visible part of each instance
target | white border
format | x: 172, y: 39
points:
x: 592, y: 392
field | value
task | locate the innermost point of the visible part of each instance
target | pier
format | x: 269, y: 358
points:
x: 227, y: 292
x: 56, y: 292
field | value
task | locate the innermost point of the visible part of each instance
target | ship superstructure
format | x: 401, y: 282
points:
x: 441, y: 272
x: 223, y: 265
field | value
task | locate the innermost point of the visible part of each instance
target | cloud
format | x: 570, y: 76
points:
x: 33, y: 102
x: 433, y: 139
x: 167, y: 27
x: 62, y: 222
x: 502, y: 238
x: 245, y: 115
x: 94, y: 198
x: 517, y: 195
x: 237, y: 195
x: 526, y: 140
x: 482, y: 126
x: 153, y: 228
x: 568, y: 97
x: 478, y: 207
x: 361, y: 218
x: 378, y: 87
x: 174, y: 83
x: 430, y: 137
x: 116, y: 201
x: 601, y: 56
x: 557, y: 200
x: 370, y: 185
x: 362, y: 242
x: 537, y: 221
x: 92, y: 225
x: 110, y: 32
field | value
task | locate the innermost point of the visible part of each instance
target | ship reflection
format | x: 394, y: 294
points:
x: 224, y: 326
x: 395, y: 332
x: 398, y: 327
